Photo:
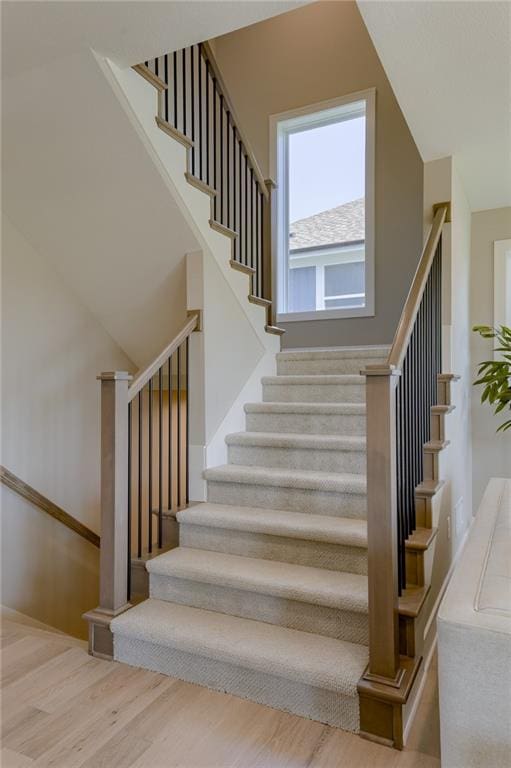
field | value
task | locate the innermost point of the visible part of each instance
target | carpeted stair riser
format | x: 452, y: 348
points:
x: 352, y: 461
x: 279, y: 390
x: 294, y: 614
x: 298, y: 698
x: 306, y: 423
x: 289, y: 367
x: 313, y: 501
x: 317, y: 554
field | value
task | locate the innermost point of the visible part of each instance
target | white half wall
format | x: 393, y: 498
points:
x: 227, y: 362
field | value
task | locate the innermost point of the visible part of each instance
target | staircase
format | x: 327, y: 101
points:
x: 266, y: 595
x: 303, y: 582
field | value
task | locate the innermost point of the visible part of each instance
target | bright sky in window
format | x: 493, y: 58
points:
x: 326, y: 167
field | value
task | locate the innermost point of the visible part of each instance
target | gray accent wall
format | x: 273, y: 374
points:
x: 322, y: 51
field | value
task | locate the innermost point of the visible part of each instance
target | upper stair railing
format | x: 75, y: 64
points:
x: 194, y: 105
x: 399, y: 396
x: 144, y: 471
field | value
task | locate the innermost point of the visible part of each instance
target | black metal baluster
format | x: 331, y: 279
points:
x: 221, y: 158
x: 404, y: 477
x: 234, y: 226
x: 192, y: 99
x: 439, y: 308
x: 261, y: 237
x: 245, y: 196
x: 150, y: 478
x: 215, y: 199
x: 415, y: 432
x: 208, y: 90
x: 183, y: 64
x: 409, y: 422
x: 187, y: 385
x: 179, y: 426
x: 201, y: 147
x: 160, y: 459
x: 130, y: 479
x: 169, y: 490
x: 253, y: 263
x: 228, y: 172
x: 400, y: 486
x: 174, y: 72
x: 257, y: 282
x: 166, y: 91
x: 139, y: 521
x: 240, y: 233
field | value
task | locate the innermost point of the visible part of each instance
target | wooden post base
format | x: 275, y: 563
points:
x: 101, y: 640
x: 381, y: 706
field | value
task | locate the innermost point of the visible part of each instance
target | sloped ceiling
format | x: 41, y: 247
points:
x: 38, y: 33
x: 77, y: 182
x: 449, y: 64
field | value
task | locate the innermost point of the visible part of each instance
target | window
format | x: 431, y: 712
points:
x: 323, y: 161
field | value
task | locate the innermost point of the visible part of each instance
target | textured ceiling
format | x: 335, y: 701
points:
x: 38, y: 33
x: 449, y: 64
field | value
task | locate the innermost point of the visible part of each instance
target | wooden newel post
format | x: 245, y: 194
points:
x: 380, y: 685
x: 113, y: 562
x: 382, y: 524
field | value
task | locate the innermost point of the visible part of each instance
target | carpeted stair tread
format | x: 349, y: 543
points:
x: 333, y: 353
x: 313, y: 379
x: 294, y: 525
x: 332, y: 589
x: 335, y: 665
x: 296, y: 440
x: 328, y: 409
x: 288, y: 478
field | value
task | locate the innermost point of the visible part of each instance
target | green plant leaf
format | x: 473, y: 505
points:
x: 495, y: 375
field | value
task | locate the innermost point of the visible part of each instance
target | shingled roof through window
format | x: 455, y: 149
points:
x: 342, y: 224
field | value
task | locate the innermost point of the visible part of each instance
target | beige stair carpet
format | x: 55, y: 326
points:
x: 266, y: 596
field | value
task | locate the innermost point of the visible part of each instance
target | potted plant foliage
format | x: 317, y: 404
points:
x: 495, y: 375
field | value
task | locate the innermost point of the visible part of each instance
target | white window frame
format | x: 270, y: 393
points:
x: 281, y: 125
x: 501, y: 286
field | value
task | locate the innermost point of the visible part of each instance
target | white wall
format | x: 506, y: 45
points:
x: 460, y: 421
x: 78, y: 183
x: 52, y: 350
x: 492, y: 452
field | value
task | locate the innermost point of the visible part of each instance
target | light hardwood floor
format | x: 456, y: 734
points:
x: 64, y: 709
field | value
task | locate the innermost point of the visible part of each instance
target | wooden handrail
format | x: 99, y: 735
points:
x: 209, y: 55
x: 414, y: 298
x: 34, y: 497
x: 147, y: 374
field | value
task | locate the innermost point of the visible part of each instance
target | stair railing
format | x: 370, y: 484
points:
x: 43, y: 503
x: 144, y: 471
x: 195, y: 104
x: 399, y: 395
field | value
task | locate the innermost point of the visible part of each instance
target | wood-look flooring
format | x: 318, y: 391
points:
x: 62, y: 708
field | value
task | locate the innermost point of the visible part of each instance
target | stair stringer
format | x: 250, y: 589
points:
x: 139, y: 99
